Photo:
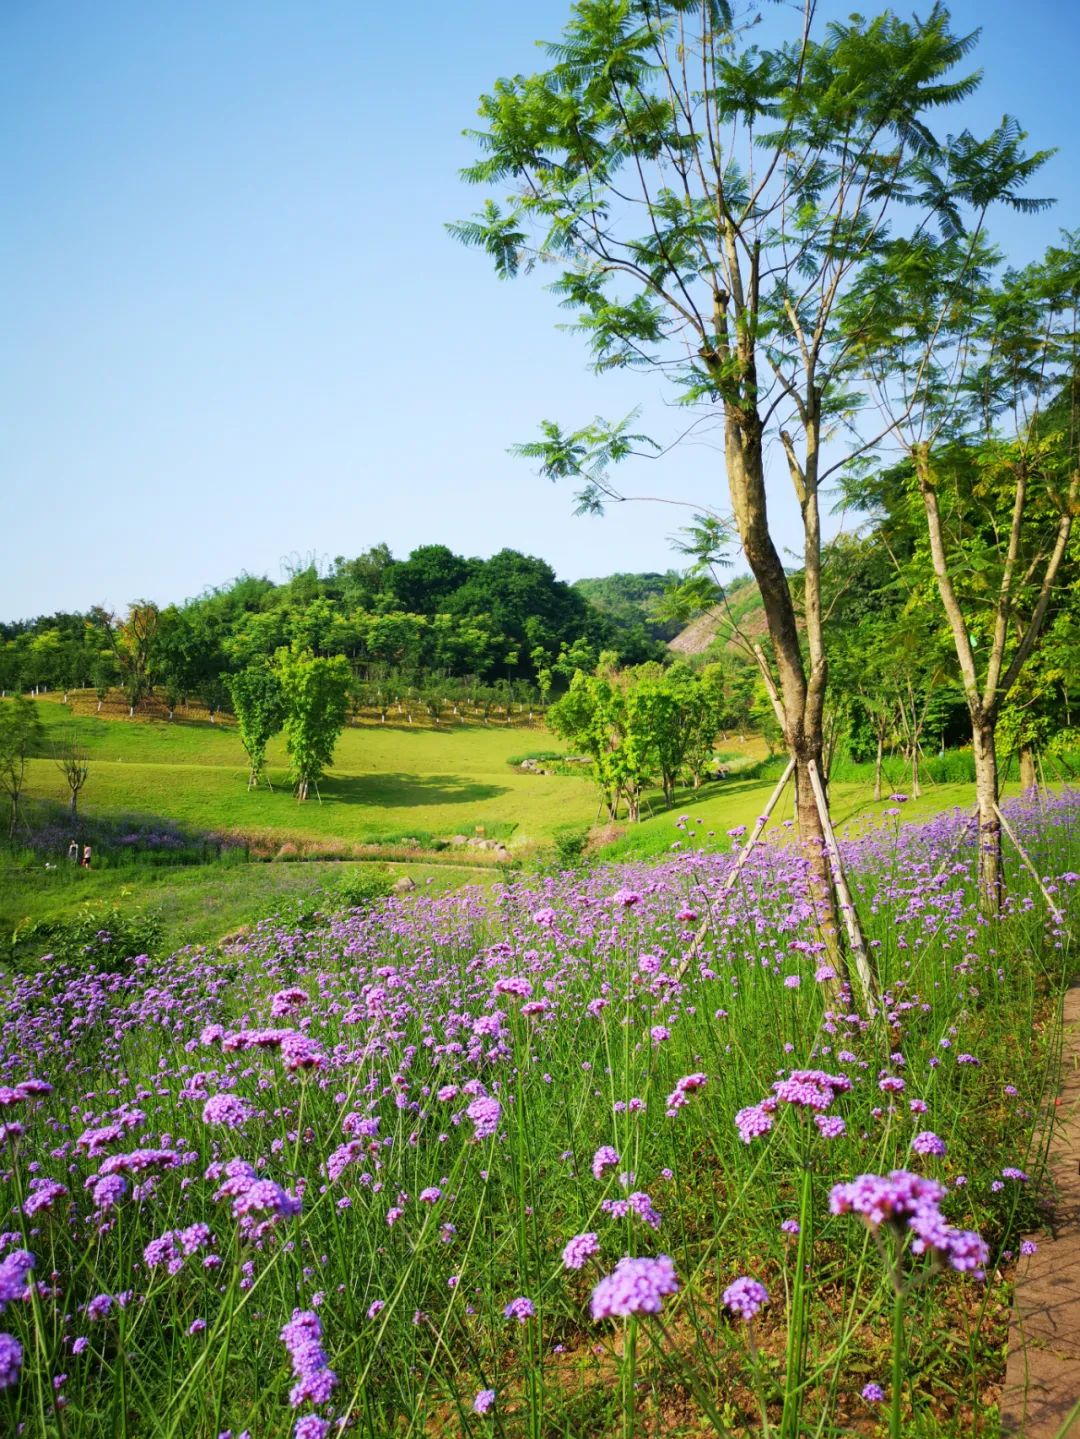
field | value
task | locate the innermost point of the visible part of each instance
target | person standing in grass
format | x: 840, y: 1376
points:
x: 73, y: 851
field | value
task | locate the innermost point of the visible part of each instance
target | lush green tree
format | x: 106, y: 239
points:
x: 315, y: 695
x: 705, y: 202
x: 258, y: 703
x: 427, y: 580
x: 133, y: 641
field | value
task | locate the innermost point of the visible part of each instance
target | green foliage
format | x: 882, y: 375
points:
x: 105, y: 937
x: 363, y: 887
x: 259, y: 706
x: 570, y: 843
x: 315, y: 698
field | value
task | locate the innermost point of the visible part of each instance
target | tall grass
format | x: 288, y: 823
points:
x: 429, y: 1092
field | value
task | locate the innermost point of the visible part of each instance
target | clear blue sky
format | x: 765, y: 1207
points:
x: 233, y: 326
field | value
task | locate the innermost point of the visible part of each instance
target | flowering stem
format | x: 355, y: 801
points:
x: 756, y: 1362
x: 796, y: 1346
x: 897, y: 1363
x: 629, y: 1366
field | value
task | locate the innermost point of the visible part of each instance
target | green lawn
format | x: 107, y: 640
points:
x: 387, y: 782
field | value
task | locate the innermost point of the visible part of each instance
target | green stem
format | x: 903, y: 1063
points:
x: 897, y: 1364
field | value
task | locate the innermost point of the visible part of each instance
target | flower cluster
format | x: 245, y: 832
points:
x: 908, y: 1203
x: 635, y: 1286
x: 810, y: 1089
x: 315, y: 1380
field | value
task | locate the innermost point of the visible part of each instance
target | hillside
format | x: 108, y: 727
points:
x: 743, y: 608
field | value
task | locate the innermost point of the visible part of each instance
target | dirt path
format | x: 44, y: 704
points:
x: 1042, y: 1380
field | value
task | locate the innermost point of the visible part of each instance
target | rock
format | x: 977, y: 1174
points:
x: 501, y: 853
x: 457, y: 840
x: 403, y: 884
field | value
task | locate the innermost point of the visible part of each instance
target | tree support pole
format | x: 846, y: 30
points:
x: 736, y: 869
x: 1058, y: 914
x: 843, y: 894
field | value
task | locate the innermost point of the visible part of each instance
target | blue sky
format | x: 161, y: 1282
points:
x: 235, y: 329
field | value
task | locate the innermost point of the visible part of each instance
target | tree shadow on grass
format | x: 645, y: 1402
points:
x: 402, y: 790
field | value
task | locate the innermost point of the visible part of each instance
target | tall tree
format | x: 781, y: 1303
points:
x: 706, y: 201
x: 133, y: 642
x: 315, y: 691
x: 981, y: 384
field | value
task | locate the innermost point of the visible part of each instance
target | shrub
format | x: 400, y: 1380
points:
x: 101, y: 937
x: 362, y: 887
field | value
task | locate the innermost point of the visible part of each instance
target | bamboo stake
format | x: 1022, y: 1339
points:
x: 733, y: 874
x: 843, y: 894
x: 1058, y: 914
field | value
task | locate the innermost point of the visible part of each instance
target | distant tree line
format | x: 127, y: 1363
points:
x: 428, y: 618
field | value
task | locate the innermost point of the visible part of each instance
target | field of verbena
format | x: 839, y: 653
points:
x: 377, y: 1139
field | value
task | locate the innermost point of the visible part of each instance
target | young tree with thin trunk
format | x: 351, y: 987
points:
x: 71, y: 759
x: 705, y: 203
x: 20, y: 737
x: 981, y: 386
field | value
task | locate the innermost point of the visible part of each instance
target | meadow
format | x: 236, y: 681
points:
x: 506, y: 1164
x: 394, y: 792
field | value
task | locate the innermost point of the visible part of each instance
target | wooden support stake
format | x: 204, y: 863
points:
x: 733, y: 874
x: 1058, y: 914
x: 843, y: 894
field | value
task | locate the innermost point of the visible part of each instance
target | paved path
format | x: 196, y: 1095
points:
x: 1042, y: 1380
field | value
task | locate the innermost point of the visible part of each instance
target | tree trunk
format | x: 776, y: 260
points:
x: 916, y: 789
x: 800, y: 698
x: 302, y: 788
x: 991, y: 876
x: 878, y: 761
x: 73, y: 806
x: 1028, y: 778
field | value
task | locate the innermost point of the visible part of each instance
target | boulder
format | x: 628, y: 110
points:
x: 403, y: 884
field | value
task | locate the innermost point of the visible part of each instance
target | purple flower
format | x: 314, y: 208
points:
x: 311, y: 1427
x: 745, y: 1297
x: 873, y: 1393
x: 635, y: 1286
x: 928, y: 1143
x: 831, y: 1125
x: 485, y: 1114
x: 604, y: 1158
x: 1028, y: 1247
x: 14, y: 1271
x: 227, y: 1109
x: 1011, y: 1173
x: 908, y: 1202
x: 521, y: 1309
x: 11, y: 1357
x: 753, y: 1121
x: 485, y: 1398
x: 302, y: 1337
x: 579, y: 1250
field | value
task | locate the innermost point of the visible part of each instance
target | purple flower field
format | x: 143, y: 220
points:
x: 495, y: 1164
